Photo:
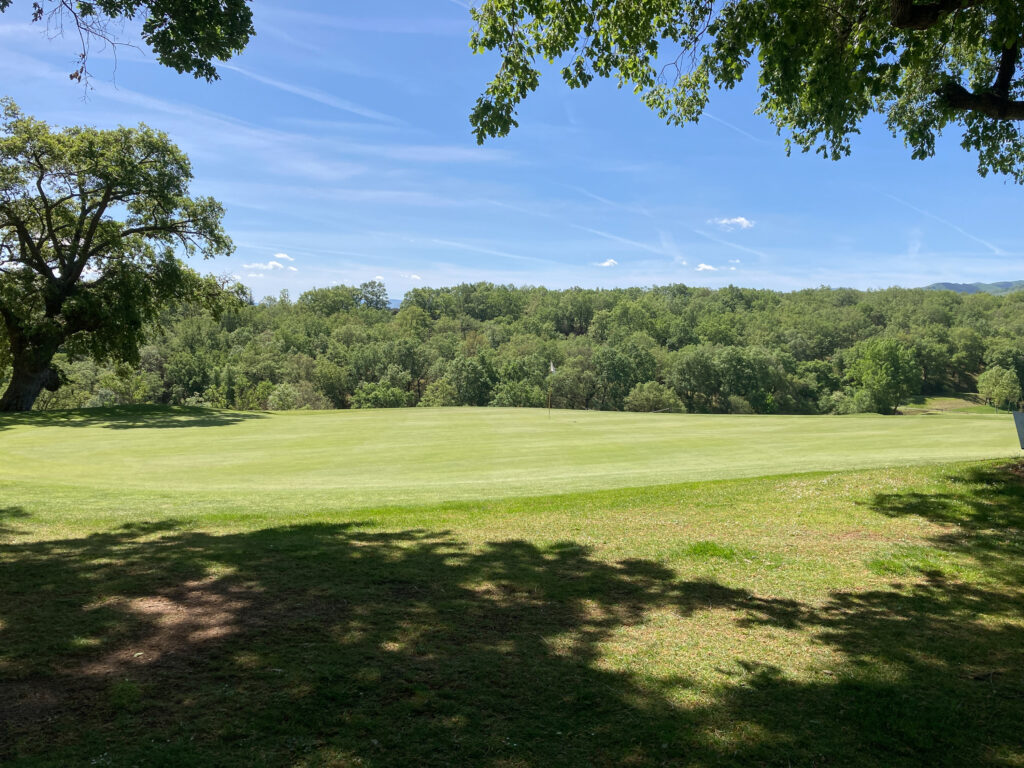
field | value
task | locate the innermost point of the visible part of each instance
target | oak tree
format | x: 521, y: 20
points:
x: 92, y: 223
x: 186, y: 35
x: 822, y: 66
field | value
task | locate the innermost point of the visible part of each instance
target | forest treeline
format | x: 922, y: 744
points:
x: 731, y: 350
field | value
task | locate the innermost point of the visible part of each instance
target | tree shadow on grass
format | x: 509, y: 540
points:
x: 984, y: 519
x: 10, y: 513
x: 130, y: 417
x: 339, y: 645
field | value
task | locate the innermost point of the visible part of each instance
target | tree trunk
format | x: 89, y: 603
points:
x: 29, y: 378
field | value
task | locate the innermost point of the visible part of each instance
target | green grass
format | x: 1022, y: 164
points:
x: 156, y: 613
x: 965, y: 403
x: 266, y: 462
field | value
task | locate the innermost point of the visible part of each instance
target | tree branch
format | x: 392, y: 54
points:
x: 32, y: 258
x: 48, y: 214
x: 82, y: 258
x: 908, y: 15
x: 1007, y: 68
x: 956, y: 97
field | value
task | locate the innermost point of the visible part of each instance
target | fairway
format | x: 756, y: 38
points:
x: 426, y: 455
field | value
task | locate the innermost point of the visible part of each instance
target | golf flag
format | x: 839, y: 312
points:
x: 1018, y: 419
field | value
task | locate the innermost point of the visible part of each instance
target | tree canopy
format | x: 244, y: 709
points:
x: 91, y: 222
x: 186, y: 35
x: 671, y: 347
x: 821, y: 67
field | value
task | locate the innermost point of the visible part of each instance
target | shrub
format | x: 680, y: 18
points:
x: 652, y: 396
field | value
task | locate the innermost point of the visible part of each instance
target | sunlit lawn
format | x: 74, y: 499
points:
x: 864, y: 617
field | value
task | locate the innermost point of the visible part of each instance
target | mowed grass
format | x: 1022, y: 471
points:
x: 358, y: 459
x: 868, y: 617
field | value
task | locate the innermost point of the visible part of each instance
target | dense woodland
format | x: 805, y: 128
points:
x: 678, y: 348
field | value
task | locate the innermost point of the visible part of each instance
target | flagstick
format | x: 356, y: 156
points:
x: 551, y: 369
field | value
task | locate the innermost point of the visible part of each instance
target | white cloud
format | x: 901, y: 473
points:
x: 706, y: 268
x: 254, y: 274
x: 411, y: 277
x: 379, y: 278
x: 734, y: 261
x: 732, y: 269
x: 270, y: 265
x: 607, y: 263
x: 283, y: 256
x: 740, y: 222
x: 293, y: 269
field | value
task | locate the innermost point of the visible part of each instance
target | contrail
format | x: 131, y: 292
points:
x: 995, y: 249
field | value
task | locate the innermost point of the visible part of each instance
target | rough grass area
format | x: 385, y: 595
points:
x: 967, y: 402
x: 868, y: 618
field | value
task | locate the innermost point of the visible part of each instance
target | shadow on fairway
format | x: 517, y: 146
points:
x: 130, y: 417
x: 337, y: 645
x: 10, y: 513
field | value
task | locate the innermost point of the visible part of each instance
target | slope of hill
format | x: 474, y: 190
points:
x: 996, y: 289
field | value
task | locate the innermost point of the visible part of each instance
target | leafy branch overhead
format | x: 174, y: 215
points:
x: 186, y: 35
x: 822, y: 66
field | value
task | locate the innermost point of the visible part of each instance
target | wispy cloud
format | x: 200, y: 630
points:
x: 283, y: 257
x: 486, y: 251
x: 618, y: 239
x: 737, y: 222
x: 670, y: 248
x: 736, y: 128
x: 706, y: 268
x: 396, y: 25
x: 607, y: 263
x: 915, y: 243
x: 268, y: 266
x: 737, y: 246
x: 613, y: 204
x: 994, y: 248
x: 316, y: 95
x: 598, y: 232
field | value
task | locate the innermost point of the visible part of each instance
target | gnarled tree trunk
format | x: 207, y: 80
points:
x: 31, y: 375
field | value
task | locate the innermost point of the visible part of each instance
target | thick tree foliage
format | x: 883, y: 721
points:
x: 822, y: 65
x: 672, y: 347
x: 90, y: 224
x: 187, y: 35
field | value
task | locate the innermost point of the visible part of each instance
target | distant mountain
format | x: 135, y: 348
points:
x: 993, y: 288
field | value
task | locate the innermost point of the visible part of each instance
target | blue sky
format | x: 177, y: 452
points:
x: 339, y: 143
